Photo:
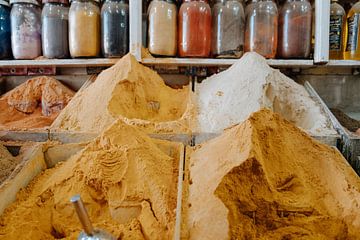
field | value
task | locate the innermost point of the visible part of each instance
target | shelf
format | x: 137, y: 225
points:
x: 343, y: 63
x: 193, y: 62
x: 94, y: 62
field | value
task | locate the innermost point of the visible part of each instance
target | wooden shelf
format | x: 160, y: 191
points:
x: 93, y: 62
x: 343, y: 63
x: 205, y: 62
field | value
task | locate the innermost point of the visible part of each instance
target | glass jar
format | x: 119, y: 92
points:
x: 162, y: 19
x: 352, y: 49
x: 5, y: 34
x: 249, y: 6
x: 337, y: 30
x: 228, y: 28
x: 261, y: 34
x: 84, y: 28
x: 194, y: 29
x: 115, y: 28
x: 295, y: 29
x: 25, y: 18
x: 55, y: 19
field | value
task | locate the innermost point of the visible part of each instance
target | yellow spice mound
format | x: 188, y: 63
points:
x: 266, y: 179
x: 127, y: 183
x: 129, y: 91
x: 7, y: 163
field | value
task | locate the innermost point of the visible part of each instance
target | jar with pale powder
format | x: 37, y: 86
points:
x: 84, y: 28
x: 162, y: 27
x: 25, y: 18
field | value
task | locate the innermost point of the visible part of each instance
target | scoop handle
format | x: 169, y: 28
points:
x: 82, y: 214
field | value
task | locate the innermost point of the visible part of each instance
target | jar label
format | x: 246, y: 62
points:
x: 353, y: 29
x: 336, y: 23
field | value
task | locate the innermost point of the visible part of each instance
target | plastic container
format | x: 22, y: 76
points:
x: 352, y: 48
x: 337, y: 30
x: 55, y: 22
x: 5, y: 34
x: 25, y: 18
x: 162, y: 19
x: 115, y: 28
x: 261, y: 34
x: 194, y: 29
x: 84, y: 28
x: 295, y: 20
x: 228, y: 29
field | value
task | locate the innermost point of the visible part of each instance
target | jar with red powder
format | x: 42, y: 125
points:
x: 194, y: 29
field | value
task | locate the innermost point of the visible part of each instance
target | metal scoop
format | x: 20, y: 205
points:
x: 89, y: 232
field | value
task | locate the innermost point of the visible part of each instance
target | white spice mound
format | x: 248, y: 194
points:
x: 230, y: 97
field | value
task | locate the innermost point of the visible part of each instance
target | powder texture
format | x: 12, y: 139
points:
x: 33, y: 104
x: 229, y: 97
x: 351, y: 124
x: 267, y: 179
x: 7, y: 163
x: 126, y: 180
x: 133, y: 93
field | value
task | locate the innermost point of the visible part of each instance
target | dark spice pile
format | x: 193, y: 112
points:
x: 348, y: 122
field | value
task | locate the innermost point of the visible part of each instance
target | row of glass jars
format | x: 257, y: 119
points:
x: 27, y: 32
x: 227, y: 29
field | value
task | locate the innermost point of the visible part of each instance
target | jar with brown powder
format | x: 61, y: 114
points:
x: 295, y: 29
x: 84, y: 28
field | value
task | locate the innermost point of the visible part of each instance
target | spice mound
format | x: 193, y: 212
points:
x: 126, y: 180
x: 229, y: 97
x: 351, y: 124
x: 33, y: 104
x: 267, y: 179
x: 7, y: 163
x: 132, y: 92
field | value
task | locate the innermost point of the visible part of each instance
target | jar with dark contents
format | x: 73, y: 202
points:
x: 55, y: 18
x: 25, y: 29
x: 295, y: 29
x: 337, y: 30
x: 115, y: 28
x: 228, y: 29
x: 194, y: 29
x: 261, y: 34
x: 5, y: 34
x: 84, y: 28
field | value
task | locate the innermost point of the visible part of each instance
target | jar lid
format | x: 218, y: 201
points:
x: 97, y: 1
x: 5, y: 3
x: 56, y: 1
x: 35, y: 2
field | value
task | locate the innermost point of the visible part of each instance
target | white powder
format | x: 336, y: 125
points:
x: 229, y: 97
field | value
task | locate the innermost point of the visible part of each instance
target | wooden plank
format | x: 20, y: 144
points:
x: 23, y: 174
x: 92, y: 62
x: 322, y: 26
x: 207, y: 62
x: 178, y: 221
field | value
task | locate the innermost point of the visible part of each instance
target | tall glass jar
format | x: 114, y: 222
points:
x: 5, y: 34
x: 162, y: 19
x: 115, y: 28
x: 25, y: 29
x: 337, y: 30
x: 295, y: 29
x: 84, y: 28
x: 228, y: 28
x: 55, y: 21
x: 352, y: 48
x: 249, y: 6
x: 261, y: 34
x: 194, y: 29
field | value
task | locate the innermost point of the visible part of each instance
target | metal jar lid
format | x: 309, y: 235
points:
x: 97, y: 1
x: 35, y: 2
x: 5, y: 3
